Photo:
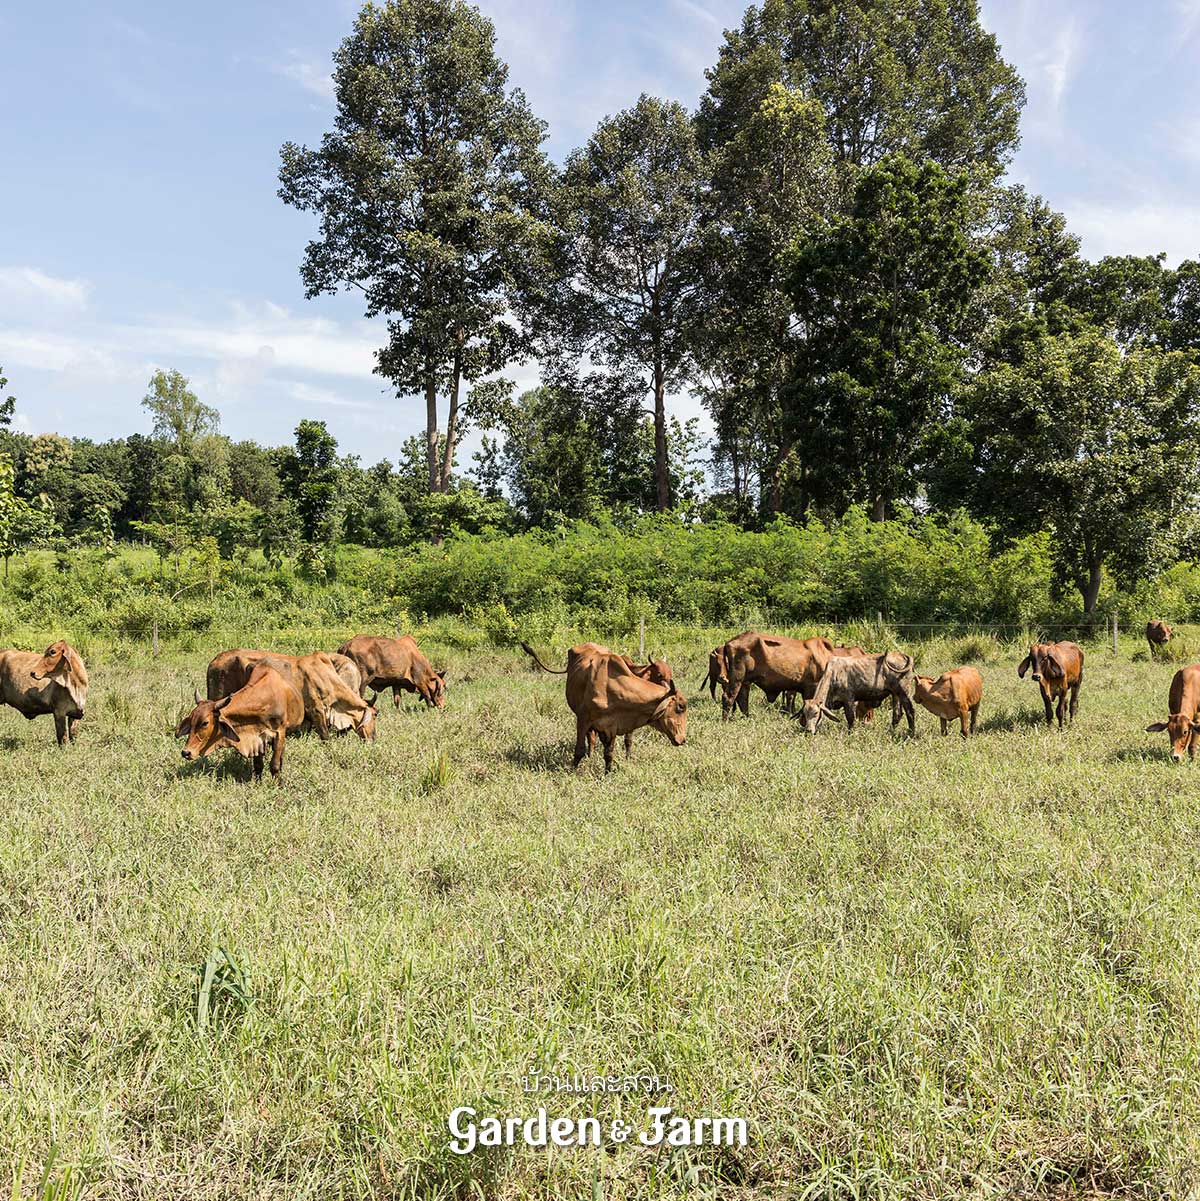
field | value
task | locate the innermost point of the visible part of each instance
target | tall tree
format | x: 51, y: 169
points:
x: 180, y: 417
x: 631, y: 213
x: 915, y: 77
x: 431, y: 193
x: 885, y: 296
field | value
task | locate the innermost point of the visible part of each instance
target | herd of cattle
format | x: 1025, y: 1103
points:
x: 254, y: 699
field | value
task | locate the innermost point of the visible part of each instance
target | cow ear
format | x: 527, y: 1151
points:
x: 1023, y: 668
x: 227, y: 730
x: 1157, y: 727
x: 1054, y: 668
x: 184, y: 728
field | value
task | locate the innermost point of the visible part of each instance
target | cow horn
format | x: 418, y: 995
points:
x: 196, y: 695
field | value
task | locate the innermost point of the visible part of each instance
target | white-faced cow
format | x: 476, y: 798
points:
x: 862, y: 680
x: 54, y: 682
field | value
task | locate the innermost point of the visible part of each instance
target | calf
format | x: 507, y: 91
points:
x: 54, y: 682
x: 398, y: 664
x: 851, y: 681
x: 1058, y: 669
x: 1183, y: 708
x: 253, y: 719
x: 954, y: 694
x: 1158, y: 634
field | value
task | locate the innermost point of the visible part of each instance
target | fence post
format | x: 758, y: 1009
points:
x: 154, y: 638
x: 1114, y: 631
x: 641, y: 637
x: 397, y: 629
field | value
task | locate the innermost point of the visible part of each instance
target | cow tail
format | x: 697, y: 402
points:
x: 554, y: 671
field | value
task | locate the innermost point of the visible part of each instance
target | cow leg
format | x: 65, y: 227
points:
x: 321, y: 724
x: 1192, y: 745
x: 1060, y: 709
x: 258, y: 764
x: 974, y: 715
x: 848, y: 710
x: 276, y: 755
x: 582, y: 737
x: 910, y: 714
x: 945, y: 726
x: 962, y: 721
x: 591, y: 742
x: 1074, y: 700
x: 60, y: 728
x: 396, y: 699
x: 1049, y: 708
x: 73, y: 728
x: 609, y: 741
x: 628, y: 746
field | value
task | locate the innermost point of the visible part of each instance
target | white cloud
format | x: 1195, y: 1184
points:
x: 22, y: 287
x: 1189, y: 17
x: 316, y: 78
x: 1058, y: 62
x: 1144, y: 226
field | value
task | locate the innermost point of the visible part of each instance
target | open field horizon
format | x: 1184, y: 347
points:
x: 918, y: 969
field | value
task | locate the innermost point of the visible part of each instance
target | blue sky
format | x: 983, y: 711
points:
x: 139, y: 225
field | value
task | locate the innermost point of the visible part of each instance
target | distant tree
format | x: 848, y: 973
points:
x: 180, y: 418
x: 23, y: 523
x: 253, y: 475
x: 631, y: 213
x: 1098, y: 446
x: 885, y: 296
x: 8, y: 404
x: 310, y: 478
x: 431, y: 193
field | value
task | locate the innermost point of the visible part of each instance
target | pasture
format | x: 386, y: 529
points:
x: 918, y: 969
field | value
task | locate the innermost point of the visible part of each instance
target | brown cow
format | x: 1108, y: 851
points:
x: 1183, y: 707
x: 609, y: 698
x: 777, y: 665
x: 323, y: 685
x: 954, y: 694
x: 255, y: 717
x: 395, y: 663
x: 1058, y: 668
x: 53, y: 682
x: 1158, y: 634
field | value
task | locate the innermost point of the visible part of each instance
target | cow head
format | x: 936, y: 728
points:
x: 365, y: 725
x: 670, y: 718
x: 923, y: 686
x: 659, y: 671
x: 433, y: 690
x: 1045, y: 663
x: 55, y: 664
x: 206, y: 730
x: 1180, y: 729
x: 812, y: 714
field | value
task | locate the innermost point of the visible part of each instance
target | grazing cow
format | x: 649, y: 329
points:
x: 254, y: 718
x: 777, y: 665
x: 1183, y: 707
x: 1158, y: 634
x: 395, y: 663
x: 53, y: 682
x: 954, y: 694
x: 851, y: 681
x: 330, y: 704
x: 1058, y: 669
x: 609, y: 698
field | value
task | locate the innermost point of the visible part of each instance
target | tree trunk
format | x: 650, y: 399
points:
x: 431, y: 431
x: 1091, y: 590
x: 662, y: 474
x: 451, y: 426
x: 879, y: 509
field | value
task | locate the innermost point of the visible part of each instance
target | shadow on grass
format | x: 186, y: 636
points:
x: 553, y: 756
x: 1145, y: 754
x: 228, y: 767
x: 999, y: 723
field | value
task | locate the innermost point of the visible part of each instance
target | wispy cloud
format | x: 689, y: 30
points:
x: 314, y: 77
x: 21, y: 287
x: 1060, y: 60
x: 1138, y: 226
x: 1188, y: 12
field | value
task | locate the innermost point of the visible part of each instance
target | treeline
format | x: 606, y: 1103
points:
x: 825, y: 252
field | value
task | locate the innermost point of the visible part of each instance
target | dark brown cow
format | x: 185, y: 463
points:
x: 609, y: 699
x: 395, y: 663
x: 777, y: 665
x: 1058, y: 669
x: 1183, y: 709
x: 255, y: 718
x: 323, y: 684
x: 953, y: 695
x: 851, y: 681
x: 1158, y: 634
x: 55, y: 681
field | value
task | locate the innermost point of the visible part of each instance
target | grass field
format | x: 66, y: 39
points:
x: 918, y: 969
